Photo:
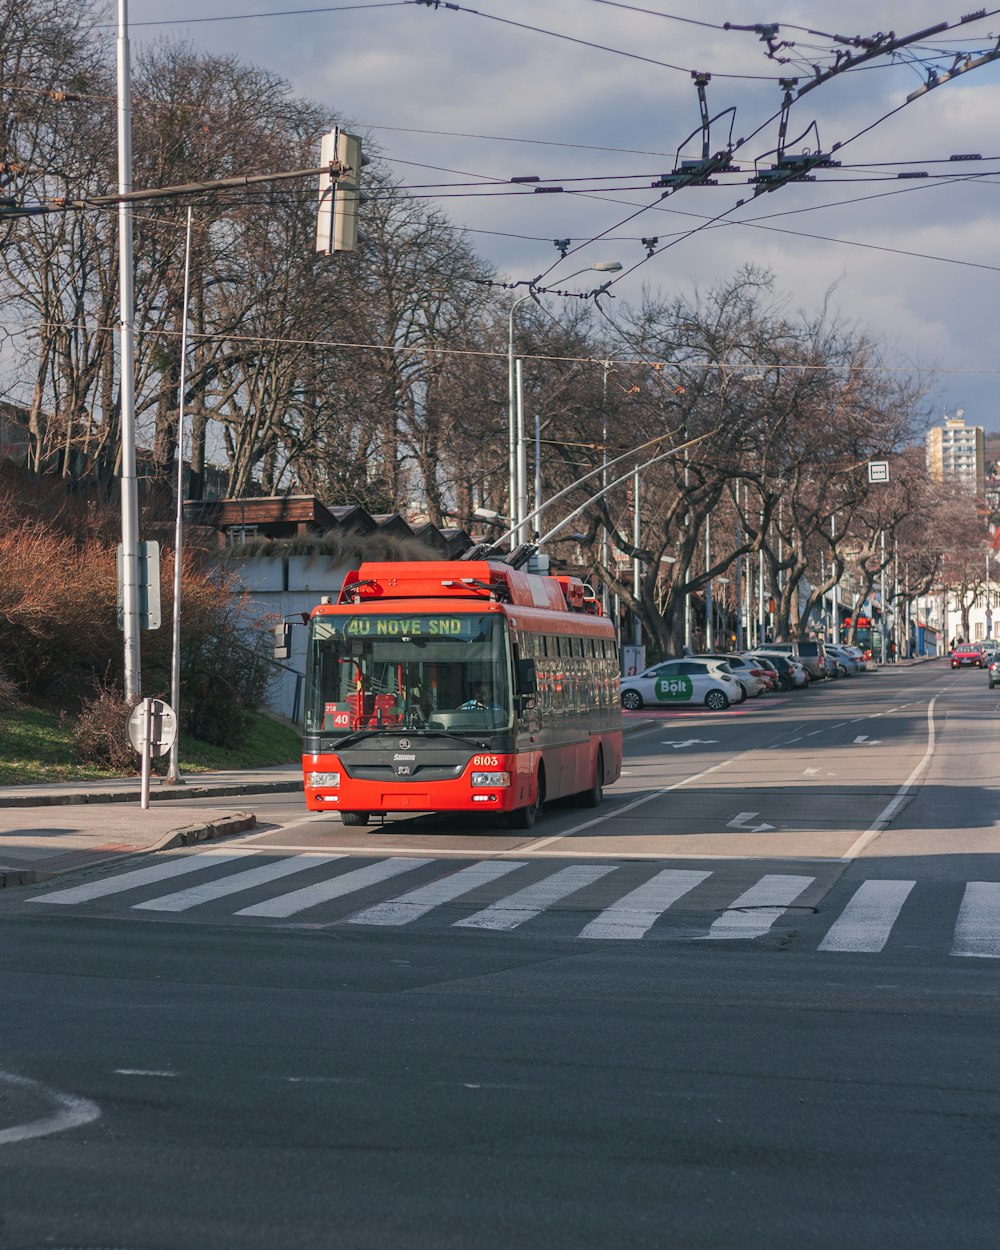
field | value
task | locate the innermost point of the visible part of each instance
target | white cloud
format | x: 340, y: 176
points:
x: 440, y: 70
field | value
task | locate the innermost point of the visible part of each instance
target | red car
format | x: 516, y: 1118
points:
x: 967, y: 655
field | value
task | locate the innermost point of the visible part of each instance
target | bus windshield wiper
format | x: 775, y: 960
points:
x: 402, y: 731
x: 375, y: 730
x: 446, y: 733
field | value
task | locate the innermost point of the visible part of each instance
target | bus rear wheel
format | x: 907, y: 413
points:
x: 355, y: 818
x: 525, y: 817
x: 592, y: 797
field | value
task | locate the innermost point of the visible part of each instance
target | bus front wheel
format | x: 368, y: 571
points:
x: 354, y: 818
x: 525, y: 817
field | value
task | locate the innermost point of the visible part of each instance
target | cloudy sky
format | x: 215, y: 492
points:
x: 597, y: 97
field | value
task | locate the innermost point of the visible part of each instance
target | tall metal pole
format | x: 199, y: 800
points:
x: 709, y: 623
x: 538, y: 474
x: 687, y: 571
x: 173, y: 770
x: 636, y: 571
x: 512, y: 444
x: 129, y: 485
x: 896, y: 633
x: 882, y: 594
x: 836, y: 585
x: 604, y: 484
x: 522, y: 456
x: 761, y: 618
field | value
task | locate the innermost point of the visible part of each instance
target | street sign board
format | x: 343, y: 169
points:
x: 162, y: 726
x: 878, y: 470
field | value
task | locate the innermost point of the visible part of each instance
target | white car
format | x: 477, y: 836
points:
x: 746, y: 671
x: 682, y: 681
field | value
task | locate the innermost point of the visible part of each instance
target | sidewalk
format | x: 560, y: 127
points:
x: 80, y: 824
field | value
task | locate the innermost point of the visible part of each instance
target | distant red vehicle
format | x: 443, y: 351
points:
x: 967, y: 655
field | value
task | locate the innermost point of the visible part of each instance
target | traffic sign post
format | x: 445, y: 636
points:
x: 152, y: 728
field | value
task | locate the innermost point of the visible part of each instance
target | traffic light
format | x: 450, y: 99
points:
x: 339, y: 193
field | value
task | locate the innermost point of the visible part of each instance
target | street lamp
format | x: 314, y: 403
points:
x: 516, y: 447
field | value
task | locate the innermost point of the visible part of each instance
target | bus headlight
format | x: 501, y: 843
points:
x: 491, y: 779
x: 323, y: 779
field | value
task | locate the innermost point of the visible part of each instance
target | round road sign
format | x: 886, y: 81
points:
x: 162, y: 726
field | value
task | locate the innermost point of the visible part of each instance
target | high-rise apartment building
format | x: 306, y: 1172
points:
x: 956, y: 452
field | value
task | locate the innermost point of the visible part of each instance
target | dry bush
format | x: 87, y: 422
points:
x: 60, y: 639
x: 57, y: 610
x: 100, y: 736
x: 10, y: 695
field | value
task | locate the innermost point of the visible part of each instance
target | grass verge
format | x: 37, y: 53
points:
x: 36, y: 746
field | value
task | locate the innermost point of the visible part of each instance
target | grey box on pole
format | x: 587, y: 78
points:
x: 148, y: 559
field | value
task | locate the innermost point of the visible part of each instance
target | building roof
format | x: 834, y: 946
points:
x: 289, y: 516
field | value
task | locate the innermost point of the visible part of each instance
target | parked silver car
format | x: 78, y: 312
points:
x: 846, y: 663
x: 811, y: 653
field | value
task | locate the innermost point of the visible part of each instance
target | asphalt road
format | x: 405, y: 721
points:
x: 795, y: 1043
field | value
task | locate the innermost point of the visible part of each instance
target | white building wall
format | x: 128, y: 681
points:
x: 285, y: 587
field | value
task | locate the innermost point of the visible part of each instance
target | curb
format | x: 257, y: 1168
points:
x: 160, y: 796
x: 208, y: 832
x: 240, y: 822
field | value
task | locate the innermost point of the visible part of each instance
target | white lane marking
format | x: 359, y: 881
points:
x: 142, y: 1072
x: 200, y: 861
x: 627, y: 807
x: 865, y: 741
x: 246, y: 880
x: 422, y: 900
x: 739, y: 821
x: 690, y: 742
x: 764, y: 902
x: 977, y: 930
x: 71, y: 1111
x: 866, y: 922
x: 813, y: 733
x: 890, y: 809
x: 515, y: 909
x: 637, y: 912
x: 311, y: 895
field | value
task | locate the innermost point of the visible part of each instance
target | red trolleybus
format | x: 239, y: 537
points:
x: 459, y: 686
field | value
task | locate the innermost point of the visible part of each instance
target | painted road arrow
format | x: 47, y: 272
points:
x: 691, y: 742
x: 739, y: 821
x: 864, y: 740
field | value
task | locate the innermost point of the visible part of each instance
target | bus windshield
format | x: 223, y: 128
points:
x: 365, y: 673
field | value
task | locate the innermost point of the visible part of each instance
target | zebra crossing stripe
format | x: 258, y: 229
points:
x: 639, y: 910
x: 977, y: 930
x: 753, y: 913
x: 515, y: 909
x: 418, y: 902
x: 336, y: 887
x: 201, y: 861
x: 866, y: 922
x: 181, y: 900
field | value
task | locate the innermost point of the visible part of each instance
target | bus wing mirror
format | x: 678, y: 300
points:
x: 282, y: 641
x: 527, y: 679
